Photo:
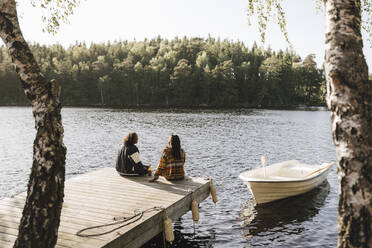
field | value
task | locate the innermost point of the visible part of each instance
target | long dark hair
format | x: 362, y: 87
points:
x: 130, y: 139
x: 176, y: 146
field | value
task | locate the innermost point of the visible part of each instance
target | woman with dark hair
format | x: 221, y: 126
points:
x: 128, y: 161
x: 172, y: 161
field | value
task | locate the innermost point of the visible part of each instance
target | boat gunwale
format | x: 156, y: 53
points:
x: 294, y: 180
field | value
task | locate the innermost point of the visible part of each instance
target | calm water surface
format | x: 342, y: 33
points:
x: 219, y: 144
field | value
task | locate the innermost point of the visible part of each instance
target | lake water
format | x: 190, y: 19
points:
x: 218, y: 144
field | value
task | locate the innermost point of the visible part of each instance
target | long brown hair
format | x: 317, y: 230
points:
x: 175, y: 144
x: 130, y: 139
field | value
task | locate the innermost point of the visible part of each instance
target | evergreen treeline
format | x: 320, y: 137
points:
x: 180, y: 72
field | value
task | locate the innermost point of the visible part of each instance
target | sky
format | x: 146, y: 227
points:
x: 113, y: 20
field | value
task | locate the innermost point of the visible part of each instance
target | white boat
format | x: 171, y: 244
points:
x: 282, y: 180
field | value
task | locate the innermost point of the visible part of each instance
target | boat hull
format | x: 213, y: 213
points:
x: 268, y: 191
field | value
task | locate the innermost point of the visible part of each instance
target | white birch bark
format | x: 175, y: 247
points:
x: 349, y: 97
x: 41, y: 214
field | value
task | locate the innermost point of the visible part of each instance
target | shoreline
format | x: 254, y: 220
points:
x: 191, y: 107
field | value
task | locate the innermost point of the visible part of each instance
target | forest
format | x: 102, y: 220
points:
x: 187, y: 72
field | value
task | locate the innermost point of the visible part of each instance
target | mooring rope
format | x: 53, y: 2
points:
x: 125, y: 222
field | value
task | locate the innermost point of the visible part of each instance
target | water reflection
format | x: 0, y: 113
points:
x: 283, y: 216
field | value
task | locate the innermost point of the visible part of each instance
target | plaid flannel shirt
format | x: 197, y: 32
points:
x: 170, y: 167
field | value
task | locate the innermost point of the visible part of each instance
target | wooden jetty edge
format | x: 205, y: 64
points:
x: 96, y: 198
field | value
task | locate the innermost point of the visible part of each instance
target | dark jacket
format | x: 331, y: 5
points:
x: 125, y: 164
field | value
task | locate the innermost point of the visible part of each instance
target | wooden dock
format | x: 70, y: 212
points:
x: 96, y: 198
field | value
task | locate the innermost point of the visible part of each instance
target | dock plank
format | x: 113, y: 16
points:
x: 96, y: 198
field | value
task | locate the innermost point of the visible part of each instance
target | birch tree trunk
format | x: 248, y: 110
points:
x: 349, y: 97
x: 41, y: 214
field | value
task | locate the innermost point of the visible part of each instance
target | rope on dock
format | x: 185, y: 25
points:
x: 125, y: 221
x: 168, y: 230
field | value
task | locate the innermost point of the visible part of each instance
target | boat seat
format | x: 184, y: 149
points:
x: 302, y: 168
x: 280, y: 178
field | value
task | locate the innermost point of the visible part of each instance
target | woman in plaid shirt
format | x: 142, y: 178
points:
x: 171, y: 161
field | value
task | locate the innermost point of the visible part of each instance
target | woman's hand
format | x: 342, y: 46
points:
x: 154, y: 179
